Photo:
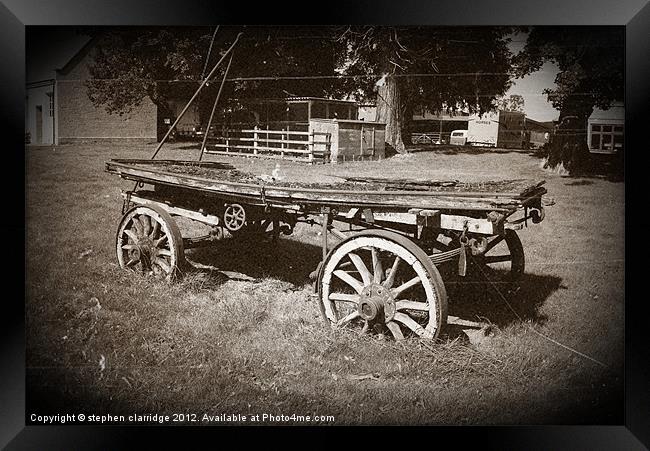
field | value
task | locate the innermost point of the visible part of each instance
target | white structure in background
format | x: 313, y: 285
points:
x: 483, y: 130
x: 606, y: 129
x: 39, y: 112
x: 367, y: 112
x: 458, y: 137
x: 497, y: 129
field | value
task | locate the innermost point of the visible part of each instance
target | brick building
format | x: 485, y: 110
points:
x: 58, y: 111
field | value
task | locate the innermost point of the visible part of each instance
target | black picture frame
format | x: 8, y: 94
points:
x: 16, y: 14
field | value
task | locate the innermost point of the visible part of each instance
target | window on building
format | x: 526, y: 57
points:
x: 318, y: 110
x: 595, y: 141
x: 618, y: 142
x: 606, y: 137
x: 51, y: 96
x: 297, y: 112
x: 339, y: 111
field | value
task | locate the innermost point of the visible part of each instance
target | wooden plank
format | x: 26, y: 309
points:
x: 259, y: 155
x: 351, y: 213
x: 270, y: 149
x: 272, y: 132
x: 454, y: 222
x: 263, y: 139
x: 402, y: 218
x: 401, y: 199
x: 205, y: 218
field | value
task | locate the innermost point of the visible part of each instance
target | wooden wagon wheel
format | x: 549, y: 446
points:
x: 234, y: 217
x: 503, y: 260
x: 149, y: 241
x: 381, y: 281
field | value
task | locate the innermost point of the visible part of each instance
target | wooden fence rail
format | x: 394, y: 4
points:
x: 308, y: 146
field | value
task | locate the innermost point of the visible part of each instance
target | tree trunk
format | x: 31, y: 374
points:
x: 391, y: 112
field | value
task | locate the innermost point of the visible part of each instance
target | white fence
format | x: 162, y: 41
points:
x: 307, y: 146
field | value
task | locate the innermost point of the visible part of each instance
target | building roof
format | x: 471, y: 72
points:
x: 616, y: 111
x: 293, y: 99
x: 40, y: 83
x: 547, y: 124
x: 77, y: 57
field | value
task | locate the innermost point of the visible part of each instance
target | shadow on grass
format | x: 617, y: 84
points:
x: 470, y: 297
x: 475, y: 299
x: 289, y: 260
x: 448, y: 149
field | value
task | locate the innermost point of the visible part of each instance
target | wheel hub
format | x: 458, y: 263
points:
x: 376, y: 303
x: 144, y: 251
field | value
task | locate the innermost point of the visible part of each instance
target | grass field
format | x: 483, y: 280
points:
x: 102, y: 340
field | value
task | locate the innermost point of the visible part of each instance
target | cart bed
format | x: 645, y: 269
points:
x: 224, y: 179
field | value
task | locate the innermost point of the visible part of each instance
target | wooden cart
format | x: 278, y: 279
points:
x: 382, y: 240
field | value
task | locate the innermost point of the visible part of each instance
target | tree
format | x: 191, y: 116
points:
x: 133, y: 63
x: 514, y: 102
x: 438, y: 68
x: 591, y: 65
x: 403, y: 67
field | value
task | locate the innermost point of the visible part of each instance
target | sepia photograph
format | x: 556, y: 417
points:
x: 325, y: 225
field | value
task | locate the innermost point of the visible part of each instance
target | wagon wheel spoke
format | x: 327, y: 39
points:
x: 411, y: 324
x: 160, y: 240
x: 129, y: 247
x: 347, y: 278
x: 361, y: 267
x: 390, y: 280
x: 131, y: 234
x: 395, y: 330
x: 376, y: 266
x: 146, y: 224
x: 165, y: 252
x: 364, y: 329
x: 406, y: 285
x: 132, y: 262
x: 138, y: 226
x: 162, y: 264
x: 347, y: 318
x: 344, y: 297
x: 507, y: 262
x: 412, y: 305
x: 497, y: 258
x: 155, y: 229
x: 494, y: 242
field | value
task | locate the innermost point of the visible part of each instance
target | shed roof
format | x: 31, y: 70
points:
x: 293, y: 99
x: 77, y: 57
x: 616, y: 111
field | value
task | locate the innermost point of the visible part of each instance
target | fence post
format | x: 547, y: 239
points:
x: 328, y: 147
x: 255, y: 140
x: 310, y: 146
x: 227, y: 142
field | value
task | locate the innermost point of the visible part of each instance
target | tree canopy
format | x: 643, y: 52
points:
x: 162, y: 63
x: 591, y: 74
x: 437, y: 68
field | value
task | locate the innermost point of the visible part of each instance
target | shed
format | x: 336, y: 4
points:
x: 352, y: 140
x: 291, y: 113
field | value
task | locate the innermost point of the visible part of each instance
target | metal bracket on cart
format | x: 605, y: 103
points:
x: 536, y: 215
